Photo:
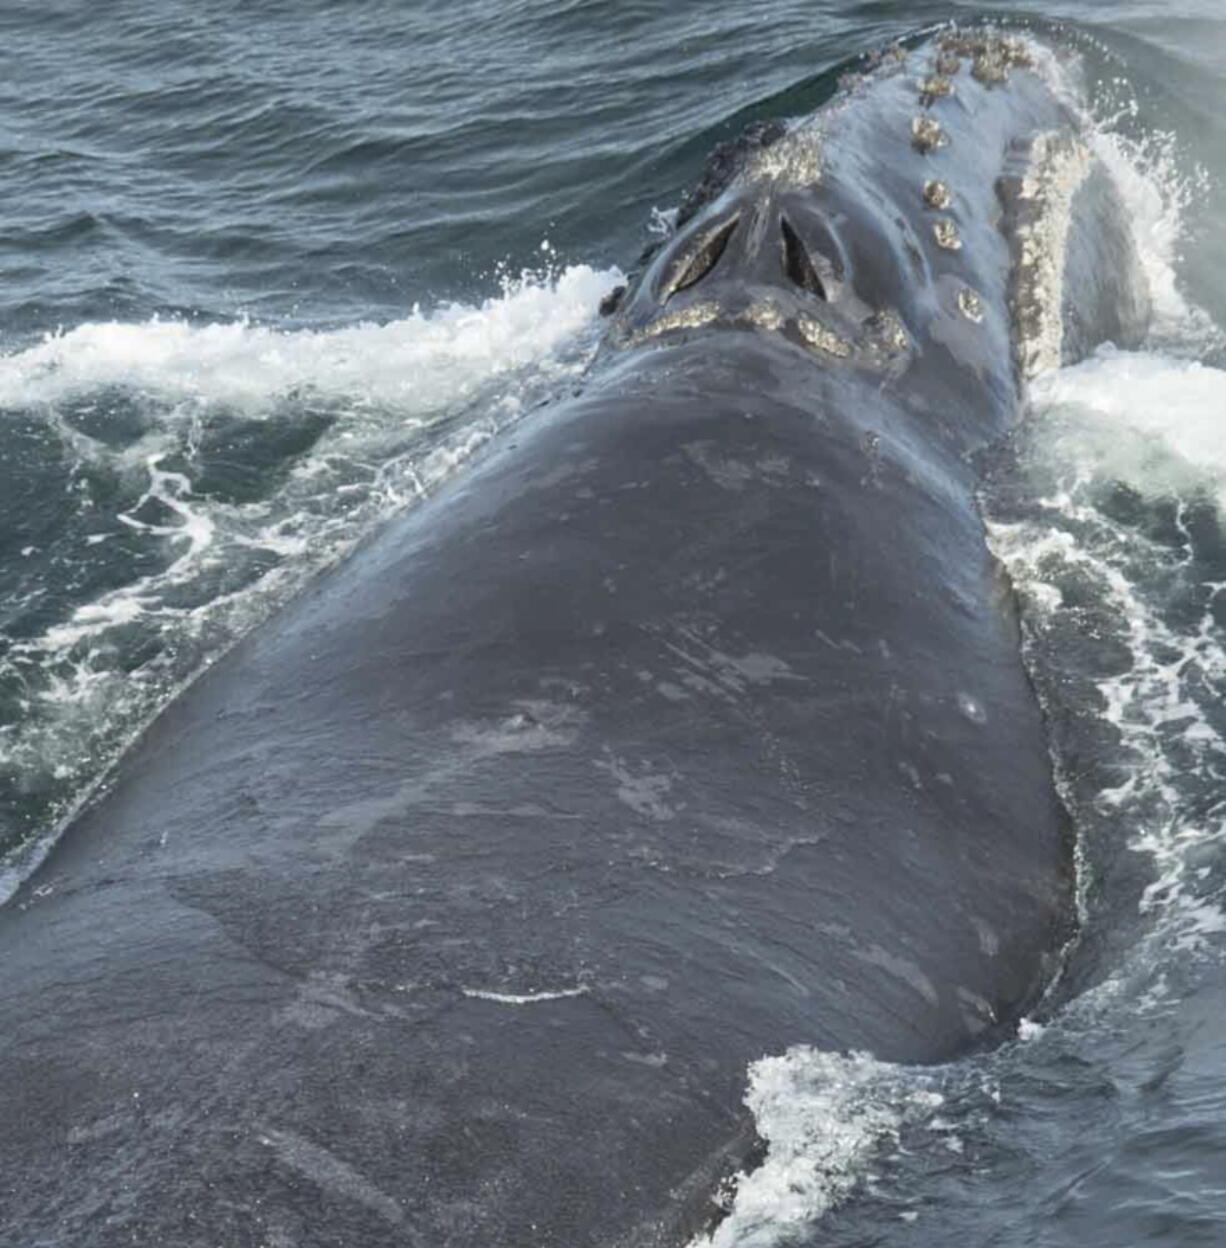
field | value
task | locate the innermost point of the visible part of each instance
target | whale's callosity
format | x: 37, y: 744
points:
x: 451, y: 905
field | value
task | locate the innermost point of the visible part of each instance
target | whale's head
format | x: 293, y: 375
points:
x: 922, y: 222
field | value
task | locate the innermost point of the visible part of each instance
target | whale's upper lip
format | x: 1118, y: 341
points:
x: 763, y: 258
x: 880, y: 339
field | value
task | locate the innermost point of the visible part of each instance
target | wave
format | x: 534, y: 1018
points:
x: 207, y: 472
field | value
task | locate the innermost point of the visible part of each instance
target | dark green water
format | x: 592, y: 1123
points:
x: 268, y: 272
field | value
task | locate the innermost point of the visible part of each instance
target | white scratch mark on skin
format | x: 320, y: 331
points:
x: 989, y: 941
x: 330, y: 1173
x: 535, y: 725
x: 644, y: 794
x: 901, y: 968
x: 722, y: 674
x: 527, y: 998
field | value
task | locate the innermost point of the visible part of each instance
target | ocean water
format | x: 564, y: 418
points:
x: 270, y: 273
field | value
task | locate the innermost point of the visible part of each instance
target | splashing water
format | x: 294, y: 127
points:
x: 1132, y: 447
x: 822, y: 1116
x: 209, y: 471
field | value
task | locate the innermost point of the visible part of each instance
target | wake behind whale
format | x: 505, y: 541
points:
x: 689, y: 725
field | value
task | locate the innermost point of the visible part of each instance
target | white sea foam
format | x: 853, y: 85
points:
x: 1157, y: 183
x: 823, y: 1117
x: 1155, y: 422
x: 1158, y: 186
x: 425, y: 359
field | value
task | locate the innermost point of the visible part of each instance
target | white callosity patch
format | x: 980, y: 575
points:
x: 1058, y: 166
x: 795, y: 160
x: 823, y: 1116
x: 210, y: 565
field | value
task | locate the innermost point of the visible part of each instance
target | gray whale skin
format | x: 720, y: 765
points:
x: 690, y: 724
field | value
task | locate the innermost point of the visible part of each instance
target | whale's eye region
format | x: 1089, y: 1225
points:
x: 797, y: 263
x: 694, y: 266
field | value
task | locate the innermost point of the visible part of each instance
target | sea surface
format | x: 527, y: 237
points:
x: 271, y: 272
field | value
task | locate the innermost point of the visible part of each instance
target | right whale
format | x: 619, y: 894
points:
x: 450, y: 906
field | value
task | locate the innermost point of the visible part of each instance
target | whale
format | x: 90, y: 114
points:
x: 688, y: 723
